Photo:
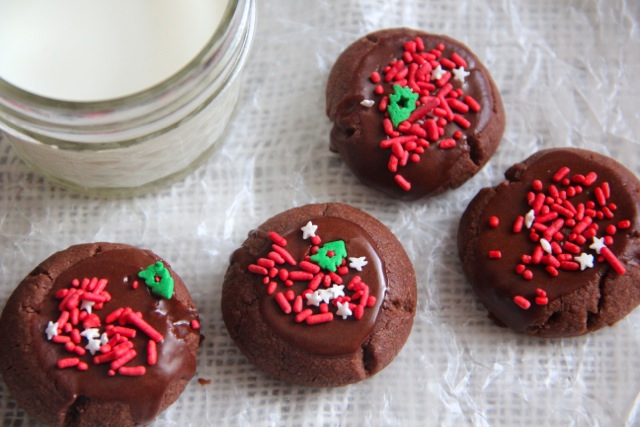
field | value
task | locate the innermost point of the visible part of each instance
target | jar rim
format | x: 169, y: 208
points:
x: 28, y: 98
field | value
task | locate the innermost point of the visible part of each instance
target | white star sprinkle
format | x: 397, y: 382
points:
x: 437, y: 73
x: 343, y: 310
x: 585, y: 260
x: 529, y: 217
x: 314, y: 298
x: 336, y: 291
x: 598, y: 244
x: 93, y: 346
x: 309, y: 230
x: 460, y: 74
x: 87, y: 306
x: 52, y: 330
x: 368, y: 103
x: 325, y: 294
x: 91, y: 333
x: 546, y: 245
x: 357, y: 263
x: 104, y: 338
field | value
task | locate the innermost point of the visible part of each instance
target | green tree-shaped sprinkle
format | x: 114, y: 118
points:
x: 402, y: 102
x: 330, y: 255
x: 158, y: 278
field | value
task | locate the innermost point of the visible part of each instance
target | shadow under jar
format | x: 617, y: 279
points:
x: 127, y: 140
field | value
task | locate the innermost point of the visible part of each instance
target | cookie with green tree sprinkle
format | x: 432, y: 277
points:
x: 414, y: 114
x: 320, y: 295
x: 86, y: 340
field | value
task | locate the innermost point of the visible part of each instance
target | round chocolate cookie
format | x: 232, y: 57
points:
x: 320, y: 295
x: 553, y: 251
x: 414, y: 114
x: 99, y: 334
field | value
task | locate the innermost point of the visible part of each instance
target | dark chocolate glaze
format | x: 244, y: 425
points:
x: 342, y: 351
x: 358, y: 130
x: 340, y: 336
x: 141, y: 397
x: 579, y: 301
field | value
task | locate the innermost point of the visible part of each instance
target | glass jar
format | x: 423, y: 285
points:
x: 133, y: 143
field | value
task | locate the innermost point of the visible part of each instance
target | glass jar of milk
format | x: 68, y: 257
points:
x: 114, y: 96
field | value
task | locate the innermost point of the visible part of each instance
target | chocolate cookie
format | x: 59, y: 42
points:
x: 414, y: 114
x: 320, y: 295
x: 553, y: 251
x: 99, y: 334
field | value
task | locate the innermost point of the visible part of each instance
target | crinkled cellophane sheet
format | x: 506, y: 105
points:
x: 569, y: 76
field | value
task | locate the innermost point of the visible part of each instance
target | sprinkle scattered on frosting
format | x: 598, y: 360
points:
x: 422, y: 104
x: 326, y: 294
x: 94, y: 340
x: 563, y: 232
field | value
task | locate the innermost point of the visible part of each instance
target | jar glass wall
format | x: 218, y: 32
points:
x: 132, y: 143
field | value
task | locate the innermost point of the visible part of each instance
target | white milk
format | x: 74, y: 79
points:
x: 102, y: 50
x: 89, y: 50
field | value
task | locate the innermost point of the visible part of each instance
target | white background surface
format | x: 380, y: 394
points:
x: 569, y: 76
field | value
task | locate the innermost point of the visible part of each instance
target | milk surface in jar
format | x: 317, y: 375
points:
x: 93, y: 50
x: 101, y: 95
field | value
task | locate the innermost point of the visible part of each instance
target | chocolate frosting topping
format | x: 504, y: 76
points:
x: 78, y: 390
x: 340, y: 336
x: 358, y: 130
x: 495, y: 280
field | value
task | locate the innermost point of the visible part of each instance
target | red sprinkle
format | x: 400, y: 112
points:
x: 133, y: 371
x: 303, y: 315
x: 315, y: 319
x: 68, y: 362
x: 612, y: 260
x: 522, y: 302
x: 561, y: 173
x: 590, y: 178
x: 309, y: 267
x: 624, y: 224
x: 257, y: 269
x: 542, y: 300
x: 152, y: 353
x: 271, y: 288
x: 519, y: 223
x: 283, y: 303
x: 446, y: 144
x: 402, y: 182
x: 266, y: 263
x: 122, y: 360
x: 146, y: 328
x: 276, y: 257
x: 459, y: 61
x: 300, y: 275
x: 284, y: 254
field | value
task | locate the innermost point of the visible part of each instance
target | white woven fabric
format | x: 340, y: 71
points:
x: 568, y: 73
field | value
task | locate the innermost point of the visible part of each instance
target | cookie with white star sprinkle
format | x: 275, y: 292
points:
x: 88, y: 340
x: 554, y: 251
x: 320, y: 295
x: 414, y: 114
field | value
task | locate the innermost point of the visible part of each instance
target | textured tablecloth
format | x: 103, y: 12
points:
x: 568, y: 72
